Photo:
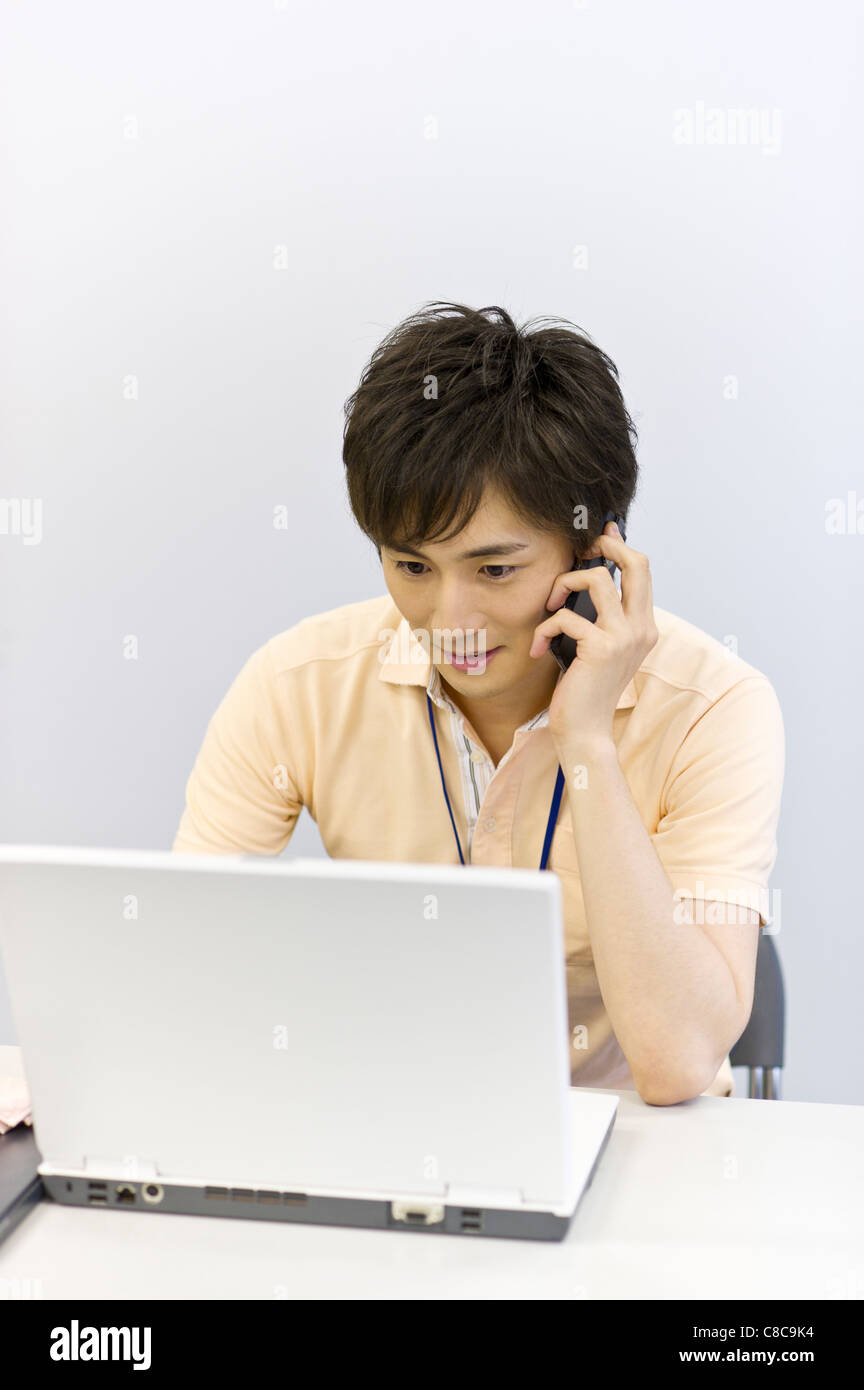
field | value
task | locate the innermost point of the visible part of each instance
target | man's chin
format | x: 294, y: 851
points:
x: 484, y: 682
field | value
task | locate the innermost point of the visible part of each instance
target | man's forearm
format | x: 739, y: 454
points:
x: 668, y: 991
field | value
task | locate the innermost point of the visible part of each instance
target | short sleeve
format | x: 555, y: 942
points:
x: 242, y: 796
x: 716, y: 837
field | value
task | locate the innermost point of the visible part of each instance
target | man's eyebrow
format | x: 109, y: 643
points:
x: 469, y: 554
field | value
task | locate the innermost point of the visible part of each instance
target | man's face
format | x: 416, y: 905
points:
x: 489, y: 603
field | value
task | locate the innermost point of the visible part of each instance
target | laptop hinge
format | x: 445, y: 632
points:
x: 130, y: 1166
x: 461, y: 1196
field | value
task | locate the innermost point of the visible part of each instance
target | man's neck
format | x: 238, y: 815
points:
x: 496, y: 719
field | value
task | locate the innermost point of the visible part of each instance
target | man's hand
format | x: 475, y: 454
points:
x: 610, y: 650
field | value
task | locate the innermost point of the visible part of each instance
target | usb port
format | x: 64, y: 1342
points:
x: 97, y: 1197
x: 98, y: 1186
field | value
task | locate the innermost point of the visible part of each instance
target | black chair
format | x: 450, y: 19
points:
x: 760, y: 1046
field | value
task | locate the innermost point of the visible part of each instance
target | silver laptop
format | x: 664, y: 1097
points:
x: 343, y: 1042
x: 20, y: 1184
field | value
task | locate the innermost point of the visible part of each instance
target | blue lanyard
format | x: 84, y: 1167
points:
x: 553, y: 809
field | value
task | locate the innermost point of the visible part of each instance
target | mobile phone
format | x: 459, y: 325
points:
x: 563, y: 647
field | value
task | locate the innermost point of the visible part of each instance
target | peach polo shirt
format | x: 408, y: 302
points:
x: 331, y: 714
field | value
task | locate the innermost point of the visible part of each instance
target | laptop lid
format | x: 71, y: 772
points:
x: 323, y: 1025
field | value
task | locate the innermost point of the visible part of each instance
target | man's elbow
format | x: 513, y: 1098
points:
x: 660, y: 1088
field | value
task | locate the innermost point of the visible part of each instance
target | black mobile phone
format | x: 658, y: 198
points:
x: 563, y: 647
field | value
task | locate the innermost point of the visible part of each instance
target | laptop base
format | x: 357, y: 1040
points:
x: 430, y: 1216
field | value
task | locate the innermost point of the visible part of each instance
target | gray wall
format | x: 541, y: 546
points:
x: 216, y: 212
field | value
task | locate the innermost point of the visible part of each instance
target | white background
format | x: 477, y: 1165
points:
x: 155, y: 158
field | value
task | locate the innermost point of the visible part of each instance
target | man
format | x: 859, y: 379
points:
x: 480, y: 460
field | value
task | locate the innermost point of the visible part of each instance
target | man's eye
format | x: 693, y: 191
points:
x: 510, y: 569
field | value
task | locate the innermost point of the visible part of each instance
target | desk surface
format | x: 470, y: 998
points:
x: 714, y: 1198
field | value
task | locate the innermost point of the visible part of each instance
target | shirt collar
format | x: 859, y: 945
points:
x: 404, y: 661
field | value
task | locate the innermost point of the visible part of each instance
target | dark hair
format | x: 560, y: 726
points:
x: 452, y: 401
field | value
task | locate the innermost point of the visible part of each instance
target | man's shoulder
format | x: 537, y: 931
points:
x: 686, y: 658
x: 337, y: 635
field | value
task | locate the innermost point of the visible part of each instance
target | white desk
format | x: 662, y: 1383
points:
x: 716, y: 1198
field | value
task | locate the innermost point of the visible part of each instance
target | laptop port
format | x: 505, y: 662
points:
x: 472, y: 1219
x: 152, y: 1192
x: 125, y: 1193
x: 97, y: 1197
x: 242, y: 1194
x: 98, y: 1186
x: 417, y: 1213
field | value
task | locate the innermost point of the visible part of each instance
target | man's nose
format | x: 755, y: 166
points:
x: 453, y: 609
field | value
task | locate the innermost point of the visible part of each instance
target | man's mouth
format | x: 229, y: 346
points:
x: 471, y: 663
